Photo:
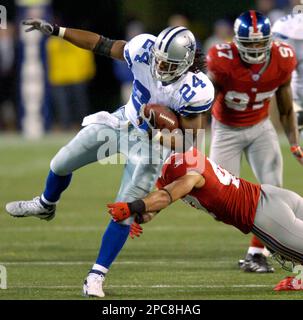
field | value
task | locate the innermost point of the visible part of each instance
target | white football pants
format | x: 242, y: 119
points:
x: 259, y: 143
x: 279, y: 222
x: 97, y: 141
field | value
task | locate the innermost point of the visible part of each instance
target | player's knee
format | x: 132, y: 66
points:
x: 59, y: 164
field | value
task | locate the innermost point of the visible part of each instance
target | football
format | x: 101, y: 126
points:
x: 160, y: 117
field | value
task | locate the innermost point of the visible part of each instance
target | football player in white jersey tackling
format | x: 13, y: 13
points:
x: 166, y: 71
x: 290, y: 29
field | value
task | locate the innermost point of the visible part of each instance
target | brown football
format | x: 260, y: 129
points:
x: 161, y: 117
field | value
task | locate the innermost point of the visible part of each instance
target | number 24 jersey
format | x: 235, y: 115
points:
x: 191, y: 94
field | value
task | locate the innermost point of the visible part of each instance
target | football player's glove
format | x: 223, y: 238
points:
x: 42, y: 26
x: 119, y: 210
x: 298, y: 153
x: 122, y: 210
x: 135, y: 230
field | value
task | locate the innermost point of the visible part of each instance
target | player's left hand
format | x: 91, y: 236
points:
x: 119, y: 210
x: 298, y: 153
x: 39, y: 24
x: 135, y: 230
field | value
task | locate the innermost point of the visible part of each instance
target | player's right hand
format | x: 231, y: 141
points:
x: 298, y: 153
x: 38, y: 24
x: 119, y: 210
x: 135, y: 230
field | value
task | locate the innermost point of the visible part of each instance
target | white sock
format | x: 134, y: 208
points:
x: 266, y: 252
x: 100, y: 268
x: 47, y: 202
x: 254, y: 250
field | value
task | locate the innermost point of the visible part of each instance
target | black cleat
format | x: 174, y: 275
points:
x: 256, y: 263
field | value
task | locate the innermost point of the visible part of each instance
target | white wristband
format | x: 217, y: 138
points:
x: 61, y: 32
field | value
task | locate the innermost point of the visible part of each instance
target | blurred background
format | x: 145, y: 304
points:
x: 48, y: 85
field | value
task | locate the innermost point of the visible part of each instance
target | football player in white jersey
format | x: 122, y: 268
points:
x: 290, y: 30
x: 166, y: 71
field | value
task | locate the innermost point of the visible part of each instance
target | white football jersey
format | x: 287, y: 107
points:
x: 290, y: 30
x: 191, y: 93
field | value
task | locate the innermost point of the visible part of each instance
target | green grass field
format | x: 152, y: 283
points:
x: 182, y: 254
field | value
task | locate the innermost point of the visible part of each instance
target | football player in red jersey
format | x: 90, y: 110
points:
x: 273, y: 214
x: 247, y: 73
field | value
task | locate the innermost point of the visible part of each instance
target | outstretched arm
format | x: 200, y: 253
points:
x: 94, y: 42
x: 176, y: 190
x: 157, y: 200
x: 81, y: 38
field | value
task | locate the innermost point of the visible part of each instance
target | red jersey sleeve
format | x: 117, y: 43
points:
x: 216, y: 66
x: 179, y: 164
x: 160, y: 183
x: 287, y: 60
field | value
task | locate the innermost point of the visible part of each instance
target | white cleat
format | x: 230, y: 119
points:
x: 93, y: 285
x: 30, y: 208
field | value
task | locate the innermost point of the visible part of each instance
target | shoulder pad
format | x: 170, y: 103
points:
x: 136, y: 47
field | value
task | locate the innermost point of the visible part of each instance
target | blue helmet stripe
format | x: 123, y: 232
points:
x: 171, y: 39
x: 166, y: 34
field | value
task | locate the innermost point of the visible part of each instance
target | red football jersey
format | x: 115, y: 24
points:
x: 227, y: 198
x: 245, y: 90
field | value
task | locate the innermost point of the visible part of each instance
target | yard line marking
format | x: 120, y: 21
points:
x: 153, y: 262
x: 41, y: 229
x: 13, y: 140
x: 98, y: 229
x: 156, y: 286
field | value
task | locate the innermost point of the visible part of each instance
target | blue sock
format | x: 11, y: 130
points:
x: 55, y: 185
x: 112, y: 242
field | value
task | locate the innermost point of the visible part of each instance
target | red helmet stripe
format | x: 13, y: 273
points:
x: 254, y: 20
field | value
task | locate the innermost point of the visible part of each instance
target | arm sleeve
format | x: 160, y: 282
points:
x: 288, y: 65
x: 202, y: 101
x: 160, y: 183
x: 216, y: 67
x: 136, y: 50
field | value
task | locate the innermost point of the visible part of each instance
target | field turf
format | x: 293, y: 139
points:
x: 182, y: 254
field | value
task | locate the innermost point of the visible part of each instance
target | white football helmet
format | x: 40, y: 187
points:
x: 172, y: 54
